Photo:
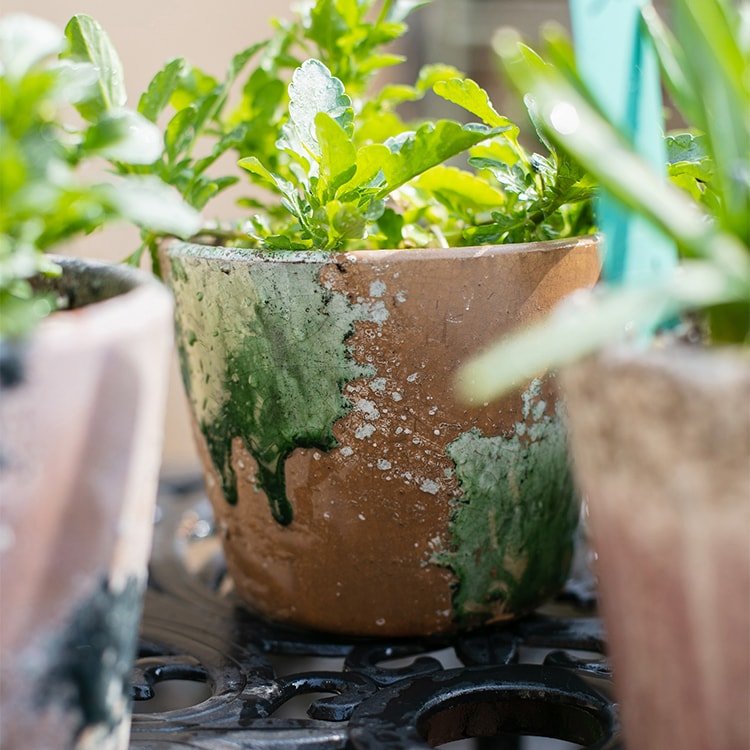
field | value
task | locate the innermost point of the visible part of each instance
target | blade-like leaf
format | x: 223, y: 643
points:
x: 156, y: 97
x: 88, y: 42
x: 587, y: 322
x: 583, y: 133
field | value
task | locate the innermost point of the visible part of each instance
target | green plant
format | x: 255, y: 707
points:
x: 706, y: 68
x: 344, y: 169
x: 42, y: 147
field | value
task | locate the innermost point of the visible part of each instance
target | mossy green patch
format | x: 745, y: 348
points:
x: 512, y: 529
x: 264, y: 357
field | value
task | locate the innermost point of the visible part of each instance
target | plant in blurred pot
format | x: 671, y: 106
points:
x: 317, y: 340
x: 83, y: 355
x: 660, y: 430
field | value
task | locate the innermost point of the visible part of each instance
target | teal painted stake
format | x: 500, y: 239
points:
x: 617, y: 62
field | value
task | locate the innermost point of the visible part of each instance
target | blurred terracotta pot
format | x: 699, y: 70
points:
x: 661, y: 446
x: 354, y: 494
x: 80, y: 427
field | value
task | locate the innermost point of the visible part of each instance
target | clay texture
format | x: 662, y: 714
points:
x: 661, y: 446
x: 80, y: 432
x: 348, y: 459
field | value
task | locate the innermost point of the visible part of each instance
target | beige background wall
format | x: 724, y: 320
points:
x: 146, y: 33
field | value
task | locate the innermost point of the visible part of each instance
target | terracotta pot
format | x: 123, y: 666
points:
x: 661, y: 446
x: 354, y: 493
x: 80, y: 426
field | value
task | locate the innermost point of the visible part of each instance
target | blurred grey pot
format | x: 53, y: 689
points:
x: 661, y: 448
x: 81, y: 417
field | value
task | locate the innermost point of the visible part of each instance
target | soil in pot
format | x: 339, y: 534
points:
x: 354, y: 493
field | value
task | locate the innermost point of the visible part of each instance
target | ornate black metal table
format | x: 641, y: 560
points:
x: 543, y: 676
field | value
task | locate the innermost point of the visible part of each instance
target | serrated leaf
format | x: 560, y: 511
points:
x: 685, y: 147
x: 473, y: 98
x: 88, y: 42
x: 497, y: 150
x: 326, y: 23
x: 125, y: 136
x: 431, y: 74
x: 24, y: 42
x: 313, y: 89
x: 161, y: 88
x: 433, y: 143
x: 149, y: 203
x: 370, y: 160
x: 391, y: 225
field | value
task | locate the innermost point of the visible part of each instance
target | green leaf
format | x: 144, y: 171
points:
x: 282, y: 186
x: 194, y: 85
x: 241, y: 59
x: 431, y: 74
x: 180, y: 132
x: 584, y: 325
x: 685, y: 147
x: 124, y: 136
x: 337, y: 155
x: 473, y: 98
x: 26, y: 41
x: 460, y: 188
x: 597, y: 147
x: 717, y: 68
x: 160, y: 90
x: 313, y: 89
x: 431, y: 144
x: 673, y: 65
x: 88, y: 42
x: 391, y: 225
x: 149, y: 203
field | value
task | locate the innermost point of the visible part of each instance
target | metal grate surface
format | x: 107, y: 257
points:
x: 241, y: 679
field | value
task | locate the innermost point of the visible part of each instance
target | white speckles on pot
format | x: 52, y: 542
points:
x: 364, y: 431
x: 383, y: 464
x: 430, y: 486
x: 396, y: 396
x: 367, y: 408
x: 346, y: 451
x: 377, y: 288
x: 378, y: 385
x: 400, y: 297
x: 412, y: 378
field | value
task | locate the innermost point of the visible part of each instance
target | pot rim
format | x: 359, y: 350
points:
x: 699, y: 363
x: 185, y: 249
x: 139, y: 301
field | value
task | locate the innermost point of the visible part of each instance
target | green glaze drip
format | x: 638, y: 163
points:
x: 512, y: 529
x: 264, y: 354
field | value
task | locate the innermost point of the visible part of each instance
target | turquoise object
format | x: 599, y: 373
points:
x: 616, y: 59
